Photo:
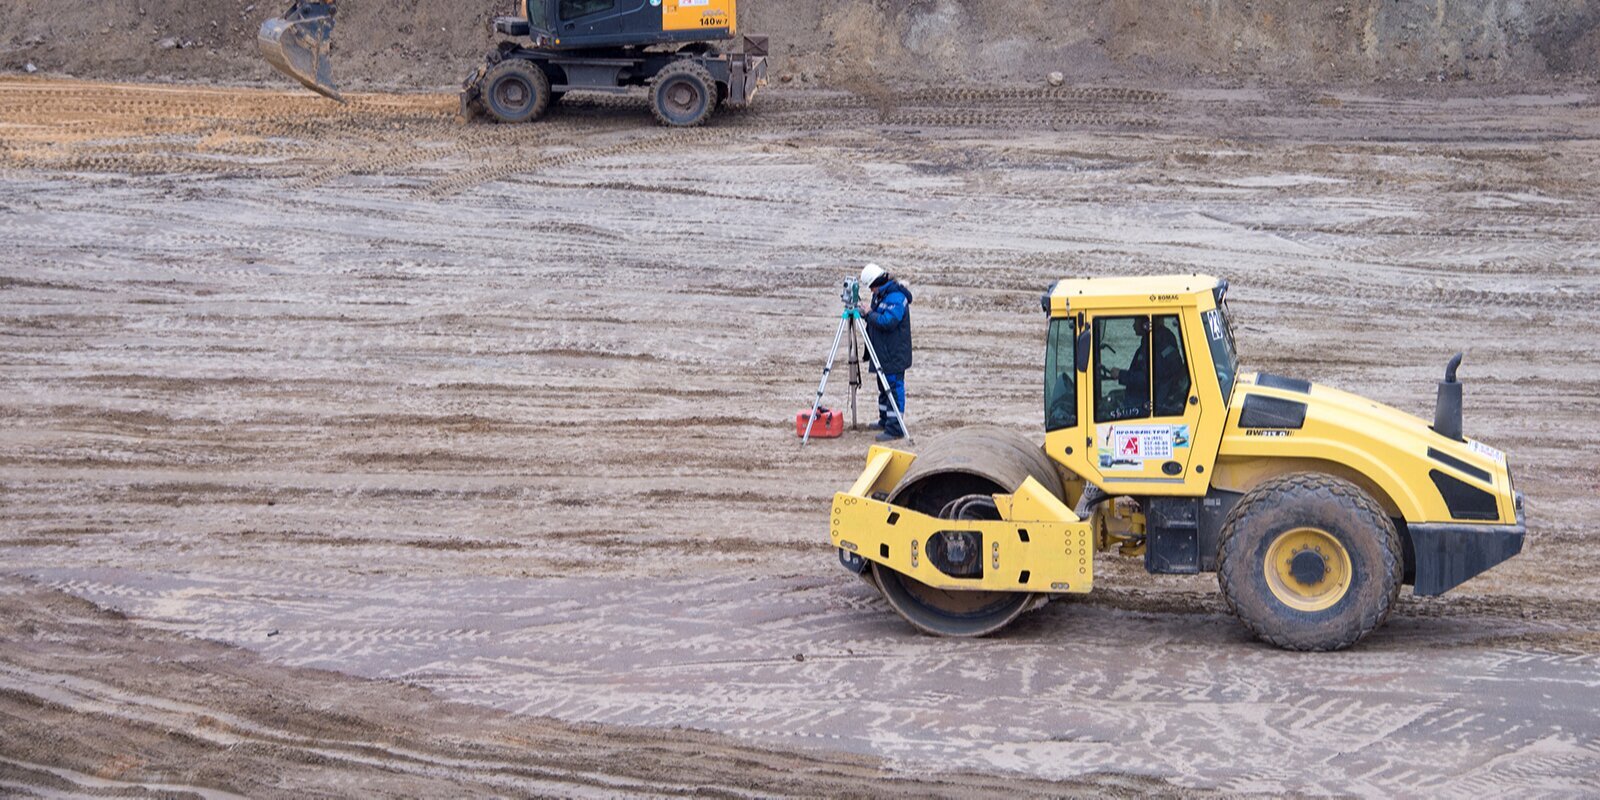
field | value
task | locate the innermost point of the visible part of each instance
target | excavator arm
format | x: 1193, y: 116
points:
x: 300, y: 44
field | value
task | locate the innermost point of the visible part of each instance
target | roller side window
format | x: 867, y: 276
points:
x: 1122, y: 368
x: 1061, y: 376
x: 1170, y: 367
x: 1219, y: 336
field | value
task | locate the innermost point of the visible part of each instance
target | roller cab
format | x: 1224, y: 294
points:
x: 1312, y: 505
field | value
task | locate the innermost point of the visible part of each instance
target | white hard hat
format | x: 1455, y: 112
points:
x: 870, y: 275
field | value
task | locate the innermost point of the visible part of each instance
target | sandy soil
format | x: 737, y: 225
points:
x: 502, y: 418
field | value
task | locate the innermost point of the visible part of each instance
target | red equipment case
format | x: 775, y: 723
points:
x: 828, y: 425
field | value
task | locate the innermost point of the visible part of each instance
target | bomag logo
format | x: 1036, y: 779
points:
x: 1163, y: 298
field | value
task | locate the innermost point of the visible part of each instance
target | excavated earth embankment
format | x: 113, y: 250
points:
x: 434, y: 43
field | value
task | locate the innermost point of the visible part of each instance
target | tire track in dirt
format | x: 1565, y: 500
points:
x: 502, y: 167
x: 290, y: 732
x: 96, y: 109
x: 793, y: 635
x: 470, y: 143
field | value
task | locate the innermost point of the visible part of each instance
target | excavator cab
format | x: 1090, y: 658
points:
x: 577, y: 24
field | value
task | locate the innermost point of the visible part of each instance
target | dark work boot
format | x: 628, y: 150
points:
x: 890, y: 436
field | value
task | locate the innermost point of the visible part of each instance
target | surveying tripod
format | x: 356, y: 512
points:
x: 852, y: 324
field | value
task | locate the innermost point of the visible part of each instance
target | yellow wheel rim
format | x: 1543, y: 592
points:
x: 1307, y: 569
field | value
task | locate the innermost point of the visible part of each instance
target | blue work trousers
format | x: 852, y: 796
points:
x: 886, y: 416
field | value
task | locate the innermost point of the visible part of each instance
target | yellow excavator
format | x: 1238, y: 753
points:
x: 1313, y: 506
x: 552, y: 47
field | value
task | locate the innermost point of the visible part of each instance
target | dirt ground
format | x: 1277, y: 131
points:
x: 96, y: 706
x: 428, y: 458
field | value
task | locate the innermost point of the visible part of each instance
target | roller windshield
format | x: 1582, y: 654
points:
x: 1219, y: 334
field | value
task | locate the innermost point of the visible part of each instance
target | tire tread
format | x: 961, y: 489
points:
x: 1343, y: 492
x: 684, y: 67
x: 535, y: 75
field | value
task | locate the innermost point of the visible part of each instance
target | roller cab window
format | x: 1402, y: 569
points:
x: 1219, y: 336
x: 1141, y: 369
x: 1169, y: 370
x: 1061, y: 376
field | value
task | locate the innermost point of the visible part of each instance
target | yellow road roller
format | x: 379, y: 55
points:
x: 1314, y: 506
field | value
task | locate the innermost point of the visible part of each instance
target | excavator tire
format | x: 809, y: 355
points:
x: 516, y: 90
x: 683, y: 95
x: 1309, y: 562
x: 969, y: 463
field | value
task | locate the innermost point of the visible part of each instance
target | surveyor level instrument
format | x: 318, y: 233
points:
x: 853, y: 326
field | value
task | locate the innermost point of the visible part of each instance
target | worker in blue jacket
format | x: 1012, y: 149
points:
x: 889, y: 330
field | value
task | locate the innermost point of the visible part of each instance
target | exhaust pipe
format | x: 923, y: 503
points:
x: 1447, y: 411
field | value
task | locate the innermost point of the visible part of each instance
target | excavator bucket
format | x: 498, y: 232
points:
x: 300, y: 43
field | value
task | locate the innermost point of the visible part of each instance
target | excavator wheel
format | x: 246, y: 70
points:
x: 1309, y: 562
x: 516, y: 90
x: 954, y: 477
x: 684, y: 94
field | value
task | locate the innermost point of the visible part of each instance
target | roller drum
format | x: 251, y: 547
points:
x: 950, y: 478
x: 978, y: 460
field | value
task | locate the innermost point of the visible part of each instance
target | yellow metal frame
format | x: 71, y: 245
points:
x: 1037, y: 534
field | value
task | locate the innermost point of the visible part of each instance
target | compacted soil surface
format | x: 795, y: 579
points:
x: 360, y: 450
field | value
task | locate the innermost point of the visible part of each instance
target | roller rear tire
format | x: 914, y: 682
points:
x: 1310, y: 562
